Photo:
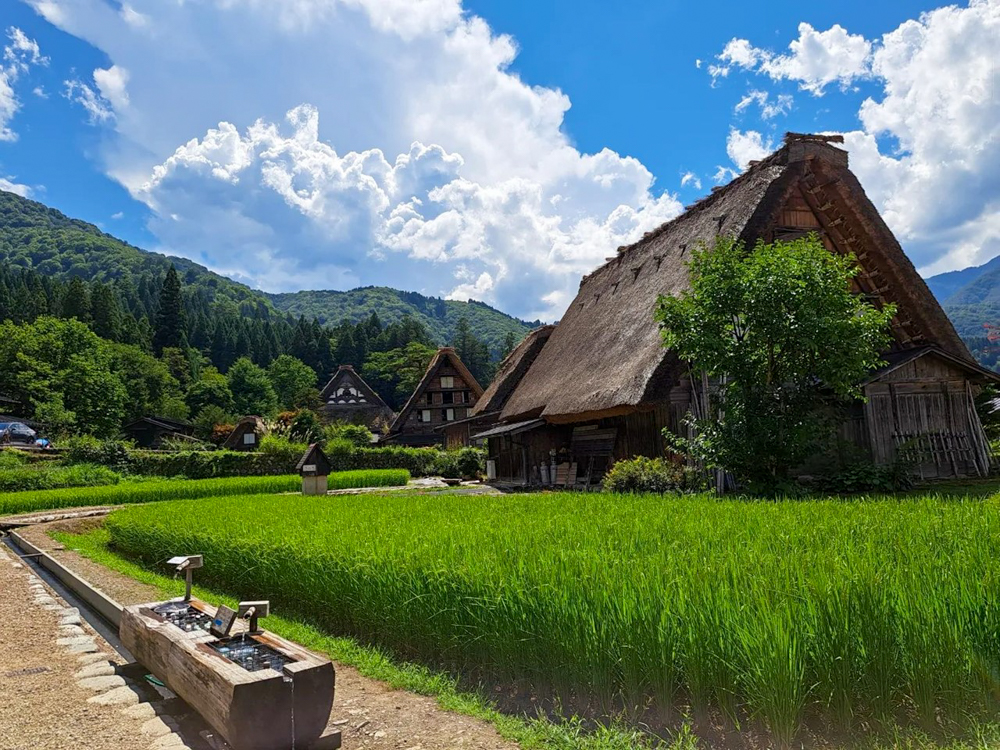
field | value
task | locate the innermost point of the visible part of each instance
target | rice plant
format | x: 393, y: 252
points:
x: 360, y: 478
x: 782, y: 611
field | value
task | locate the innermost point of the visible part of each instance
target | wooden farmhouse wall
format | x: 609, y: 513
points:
x: 923, y: 412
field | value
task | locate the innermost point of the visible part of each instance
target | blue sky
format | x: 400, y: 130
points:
x: 493, y: 150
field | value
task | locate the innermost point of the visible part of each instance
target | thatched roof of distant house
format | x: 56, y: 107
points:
x: 250, y: 423
x: 446, y: 354
x: 509, y: 373
x: 348, y: 376
x: 606, y: 357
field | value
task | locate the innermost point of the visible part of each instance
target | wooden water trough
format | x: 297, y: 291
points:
x: 259, y: 691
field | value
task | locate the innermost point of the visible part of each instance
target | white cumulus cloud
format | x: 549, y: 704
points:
x: 8, y: 184
x: 814, y: 60
x: 353, y: 142
x: 927, y: 149
x: 19, y: 54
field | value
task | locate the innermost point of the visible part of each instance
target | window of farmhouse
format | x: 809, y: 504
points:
x: 447, y: 381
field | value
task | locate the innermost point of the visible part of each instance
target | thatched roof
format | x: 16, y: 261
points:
x: 514, y: 367
x: 250, y: 423
x: 446, y: 354
x: 347, y: 374
x: 606, y: 357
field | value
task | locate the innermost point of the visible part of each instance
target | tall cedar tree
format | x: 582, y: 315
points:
x: 170, y: 325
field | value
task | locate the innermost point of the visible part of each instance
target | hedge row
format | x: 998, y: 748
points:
x: 344, y: 456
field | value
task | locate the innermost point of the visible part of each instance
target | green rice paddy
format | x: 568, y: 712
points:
x: 791, y: 613
x: 182, y: 489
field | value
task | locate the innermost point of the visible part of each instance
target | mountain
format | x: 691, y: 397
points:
x: 32, y: 235
x: 438, y: 315
x: 944, y: 286
x: 35, y: 236
x: 971, y: 298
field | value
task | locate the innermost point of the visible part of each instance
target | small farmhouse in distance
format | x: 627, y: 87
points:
x: 348, y: 398
x: 603, y: 387
x: 446, y: 393
x: 149, y: 432
x: 246, y: 435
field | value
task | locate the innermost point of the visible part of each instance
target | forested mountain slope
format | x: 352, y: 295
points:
x: 34, y: 236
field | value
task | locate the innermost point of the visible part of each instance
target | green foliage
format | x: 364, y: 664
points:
x: 355, y: 434
x: 463, y: 463
x: 170, y: 329
x: 201, y: 464
x: 53, y: 415
x: 866, y: 477
x: 395, y: 373
x: 779, y: 332
x: 294, y: 382
x: 439, y: 317
x: 345, y: 456
x: 641, y: 474
x: 473, y: 352
x: 211, y: 389
x: 44, y: 476
x: 843, y: 611
x: 306, y: 427
x: 208, y: 419
x: 52, y: 360
x: 251, y: 389
x: 144, y: 492
x: 87, y: 449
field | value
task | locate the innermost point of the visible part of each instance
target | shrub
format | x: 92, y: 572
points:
x: 641, y: 474
x: 867, y: 477
x: 282, y: 448
x: 12, y: 459
x: 207, y: 464
x: 356, y: 434
x: 114, y: 454
x: 464, y: 463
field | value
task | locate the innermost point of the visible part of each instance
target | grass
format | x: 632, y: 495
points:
x: 831, y: 612
x: 149, y: 491
x: 360, y: 478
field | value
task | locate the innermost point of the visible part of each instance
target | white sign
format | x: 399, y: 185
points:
x: 309, y: 467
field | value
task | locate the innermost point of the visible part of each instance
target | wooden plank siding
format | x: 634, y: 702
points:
x: 922, y: 411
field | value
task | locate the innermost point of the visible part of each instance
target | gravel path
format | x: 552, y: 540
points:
x: 369, y: 713
x: 61, y: 686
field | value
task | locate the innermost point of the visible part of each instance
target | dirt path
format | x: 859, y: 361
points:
x: 61, y: 685
x: 370, y: 714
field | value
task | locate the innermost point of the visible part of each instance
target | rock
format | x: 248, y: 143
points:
x: 93, y: 658
x: 97, y: 669
x: 120, y: 696
x: 158, y: 726
x: 102, y: 682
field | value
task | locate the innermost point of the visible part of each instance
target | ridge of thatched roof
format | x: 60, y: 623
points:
x: 606, y: 356
x: 249, y: 423
x: 444, y: 354
x: 514, y: 367
x: 345, y: 372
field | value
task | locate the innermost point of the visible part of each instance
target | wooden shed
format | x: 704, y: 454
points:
x: 604, y: 367
x: 149, y: 432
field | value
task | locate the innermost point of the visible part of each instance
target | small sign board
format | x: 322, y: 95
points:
x: 309, y: 469
x: 223, y: 621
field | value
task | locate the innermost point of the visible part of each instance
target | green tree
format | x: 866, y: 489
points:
x: 106, y: 313
x: 293, y: 381
x: 394, y: 374
x: 509, y: 343
x: 54, y: 416
x: 151, y: 388
x: 53, y: 359
x: 782, y: 340
x: 211, y: 389
x: 169, y: 330
x: 251, y: 388
x: 76, y: 300
x: 208, y: 418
